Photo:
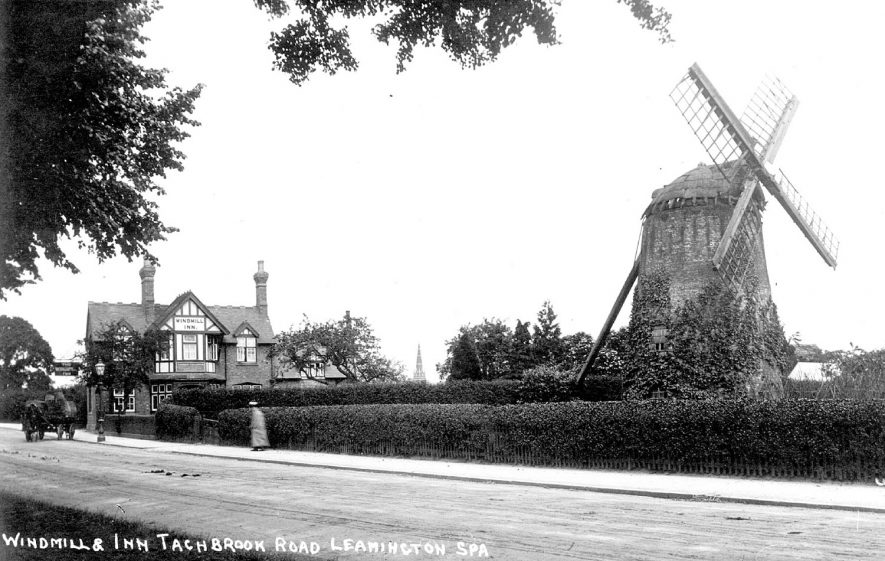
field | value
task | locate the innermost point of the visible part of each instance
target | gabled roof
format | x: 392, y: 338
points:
x: 178, y: 302
x: 100, y: 314
x: 331, y: 372
x: 236, y: 315
x: 812, y: 371
x: 245, y: 327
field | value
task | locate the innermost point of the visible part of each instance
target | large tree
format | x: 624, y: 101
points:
x: 128, y: 357
x: 348, y: 344
x: 25, y: 357
x: 471, y: 32
x: 480, y: 352
x: 85, y: 131
x: 462, y: 362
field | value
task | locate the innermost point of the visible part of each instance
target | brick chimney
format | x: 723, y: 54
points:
x: 147, y: 289
x: 261, y: 289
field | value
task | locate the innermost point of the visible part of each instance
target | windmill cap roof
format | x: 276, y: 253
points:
x: 704, y: 181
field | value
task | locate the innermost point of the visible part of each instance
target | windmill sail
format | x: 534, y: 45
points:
x: 767, y: 117
x: 728, y: 143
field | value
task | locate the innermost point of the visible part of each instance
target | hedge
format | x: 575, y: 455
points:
x: 211, y: 402
x: 807, y: 438
x: 495, y: 392
x: 175, y: 422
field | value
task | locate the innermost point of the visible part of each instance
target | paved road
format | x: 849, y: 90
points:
x: 260, y: 501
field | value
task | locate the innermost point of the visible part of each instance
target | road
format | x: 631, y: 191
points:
x: 252, y: 500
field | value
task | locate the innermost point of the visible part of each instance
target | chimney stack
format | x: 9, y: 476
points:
x: 147, y: 289
x: 261, y: 289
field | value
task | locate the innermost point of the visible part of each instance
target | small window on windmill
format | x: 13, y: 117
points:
x: 659, y: 338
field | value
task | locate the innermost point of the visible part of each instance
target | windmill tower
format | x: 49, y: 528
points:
x: 706, y: 226
x: 419, y: 369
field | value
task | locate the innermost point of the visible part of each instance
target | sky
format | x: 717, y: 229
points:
x: 440, y: 196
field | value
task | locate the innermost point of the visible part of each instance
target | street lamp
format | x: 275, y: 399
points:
x: 99, y: 370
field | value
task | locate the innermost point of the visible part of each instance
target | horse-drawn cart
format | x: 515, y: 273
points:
x: 51, y: 414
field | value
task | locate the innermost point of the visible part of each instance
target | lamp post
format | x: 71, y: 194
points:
x: 99, y: 370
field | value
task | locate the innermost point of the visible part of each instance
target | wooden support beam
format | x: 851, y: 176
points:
x: 609, y: 321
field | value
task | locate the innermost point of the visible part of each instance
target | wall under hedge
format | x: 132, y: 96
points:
x: 842, y: 440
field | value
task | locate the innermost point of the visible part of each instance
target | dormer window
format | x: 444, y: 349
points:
x: 246, y: 348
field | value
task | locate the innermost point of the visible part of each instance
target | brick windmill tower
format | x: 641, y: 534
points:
x: 706, y: 226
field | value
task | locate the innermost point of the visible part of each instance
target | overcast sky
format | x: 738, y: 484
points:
x: 441, y: 196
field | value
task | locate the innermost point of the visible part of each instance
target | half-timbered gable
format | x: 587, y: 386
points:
x: 208, y: 346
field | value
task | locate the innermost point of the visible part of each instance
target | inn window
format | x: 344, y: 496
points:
x: 159, y: 394
x: 188, y: 347
x: 246, y: 386
x: 118, y: 402
x: 211, y: 347
x: 659, y: 338
x: 165, y: 349
x: 246, y: 349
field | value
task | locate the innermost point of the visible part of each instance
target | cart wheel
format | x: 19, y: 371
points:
x: 59, y: 430
x: 41, y: 434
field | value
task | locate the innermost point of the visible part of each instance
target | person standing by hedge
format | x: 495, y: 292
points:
x: 259, y: 433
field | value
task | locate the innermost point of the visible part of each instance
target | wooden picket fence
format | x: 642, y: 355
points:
x: 495, y: 451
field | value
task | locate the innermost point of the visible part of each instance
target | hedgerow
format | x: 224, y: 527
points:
x: 497, y: 392
x: 811, y: 438
x: 174, y: 421
x: 210, y: 402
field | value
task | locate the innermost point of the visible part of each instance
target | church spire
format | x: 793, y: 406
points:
x: 419, y: 369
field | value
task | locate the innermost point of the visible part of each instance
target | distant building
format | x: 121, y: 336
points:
x: 317, y: 373
x: 209, y: 346
x: 419, y: 369
x: 808, y: 371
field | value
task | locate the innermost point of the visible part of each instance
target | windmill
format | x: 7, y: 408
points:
x: 728, y: 192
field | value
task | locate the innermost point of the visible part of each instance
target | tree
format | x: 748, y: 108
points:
x: 855, y: 374
x: 521, y: 353
x: 576, y: 348
x: 547, y: 337
x: 462, y: 362
x: 481, y: 352
x: 25, y: 357
x: 128, y: 357
x: 471, y: 32
x: 348, y: 344
x: 85, y: 131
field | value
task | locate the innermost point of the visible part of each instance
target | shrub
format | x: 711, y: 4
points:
x: 212, y: 402
x: 174, y: 421
x: 543, y: 383
x: 836, y: 439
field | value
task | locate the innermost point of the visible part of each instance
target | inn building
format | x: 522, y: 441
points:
x: 209, y: 346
